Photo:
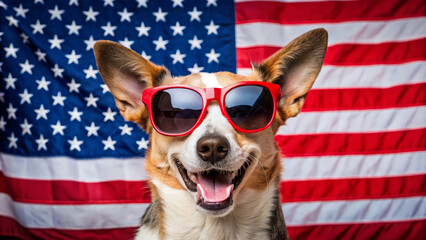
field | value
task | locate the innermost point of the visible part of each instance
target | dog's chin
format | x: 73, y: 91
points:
x: 213, y: 189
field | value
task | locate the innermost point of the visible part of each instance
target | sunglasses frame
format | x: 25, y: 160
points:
x: 207, y: 95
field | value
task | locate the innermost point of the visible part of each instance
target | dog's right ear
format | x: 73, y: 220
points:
x: 127, y: 74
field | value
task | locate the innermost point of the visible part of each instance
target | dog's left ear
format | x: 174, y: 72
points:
x: 295, y: 68
x: 127, y: 74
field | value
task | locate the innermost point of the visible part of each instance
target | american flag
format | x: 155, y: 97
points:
x: 355, y: 159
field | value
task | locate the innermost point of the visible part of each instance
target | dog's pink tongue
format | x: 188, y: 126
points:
x: 215, y: 188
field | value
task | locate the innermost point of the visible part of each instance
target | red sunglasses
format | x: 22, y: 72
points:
x: 177, y: 110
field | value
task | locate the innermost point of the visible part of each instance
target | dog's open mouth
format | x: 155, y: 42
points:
x: 214, y: 187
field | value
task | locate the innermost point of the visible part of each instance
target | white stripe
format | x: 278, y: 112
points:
x: 354, y: 166
x: 66, y: 168
x: 96, y: 216
x: 272, y: 34
x: 371, y: 76
x: 362, y: 211
x: 128, y: 215
x: 356, y: 121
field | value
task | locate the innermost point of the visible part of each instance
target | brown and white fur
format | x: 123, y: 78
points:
x: 255, y: 211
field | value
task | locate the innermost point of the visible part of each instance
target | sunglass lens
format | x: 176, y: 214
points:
x: 176, y: 110
x: 249, y: 107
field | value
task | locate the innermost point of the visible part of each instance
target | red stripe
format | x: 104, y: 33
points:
x: 365, y: 98
x: 10, y: 228
x: 72, y: 192
x: 327, y: 11
x: 348, y: 54
x: 352, y: 143
x: 413, y: 229
x: 353, y: 189
x: 292, y: 191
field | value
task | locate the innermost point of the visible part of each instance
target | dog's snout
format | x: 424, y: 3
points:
x: 212, y: 148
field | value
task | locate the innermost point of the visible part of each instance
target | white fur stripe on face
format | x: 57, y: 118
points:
x: 210, y: 80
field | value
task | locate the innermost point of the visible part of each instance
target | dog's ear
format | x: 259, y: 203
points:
x: 295, y: 68
x: 127, y: 74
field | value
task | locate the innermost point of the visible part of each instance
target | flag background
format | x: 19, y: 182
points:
x: 355, y: 160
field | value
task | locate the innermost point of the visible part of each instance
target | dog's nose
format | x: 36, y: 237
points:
x: 212, y: 148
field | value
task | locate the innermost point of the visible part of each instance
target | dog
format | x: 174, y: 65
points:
x: 214, y: 168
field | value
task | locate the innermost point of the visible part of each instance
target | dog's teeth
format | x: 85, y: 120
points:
x: 193, y: 177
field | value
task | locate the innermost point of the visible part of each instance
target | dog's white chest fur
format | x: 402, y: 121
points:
x: 248, y: 220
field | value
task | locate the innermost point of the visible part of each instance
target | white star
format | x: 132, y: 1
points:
x: 177, y: 3
x: 56, y: 13
x: 41, y: 142
x: 195, y: 69
x: 213, y: 56
x: 177, y: 57
x: 75, y: 144
x: 40, y: 55
x: 73, y: 86
x: 90, y: 72
x: 160, y: 15
x: 90, y: 43
x: 126, y: 130
x: 91, y: 101
x: 10, y: 81
x: 109, y: 29
x: 20, y: 11
x: 126, y: 42
x: 11, y: 51
x: 104, y: 88
x: 38, y: 27
x: 178, y: 29
x: 160, y: 43
x: 142, y: 3
x: 144, y: 55
x: 195, y: 14
x: 25, y: 96
x: 142, y: 144
x: 26, y: 67
x: 73, y: 2
x: 26, y: 127
x: 92, y: 130
x: 143, y: 30
x: 2, y: 123
x: 11, y: 112
x: 109, y: 115
x: 73, y: 28
x: 125, y: 16
x: 195, y: 43
x: 211, y: 2
x: 43, y: 84
x: 58, y: 99
x: 109, y: 2
x: 24, y: 37
x: 58, y: 128
x: 39, y: 1
x: 75, y: 114
x: 211, y: 28
x: 57, y: 72
x: 55, y: 42
x: 12, y: 141
x: 41, y: 112
x: 73, y: 58
x: 90, y: 15
x: 12, y: 21
x: 109, y: 143
x: 3, y: 5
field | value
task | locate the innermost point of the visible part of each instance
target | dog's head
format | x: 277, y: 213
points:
x: 214, y: 163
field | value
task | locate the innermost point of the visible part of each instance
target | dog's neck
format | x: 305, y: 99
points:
x: 248, y: 220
